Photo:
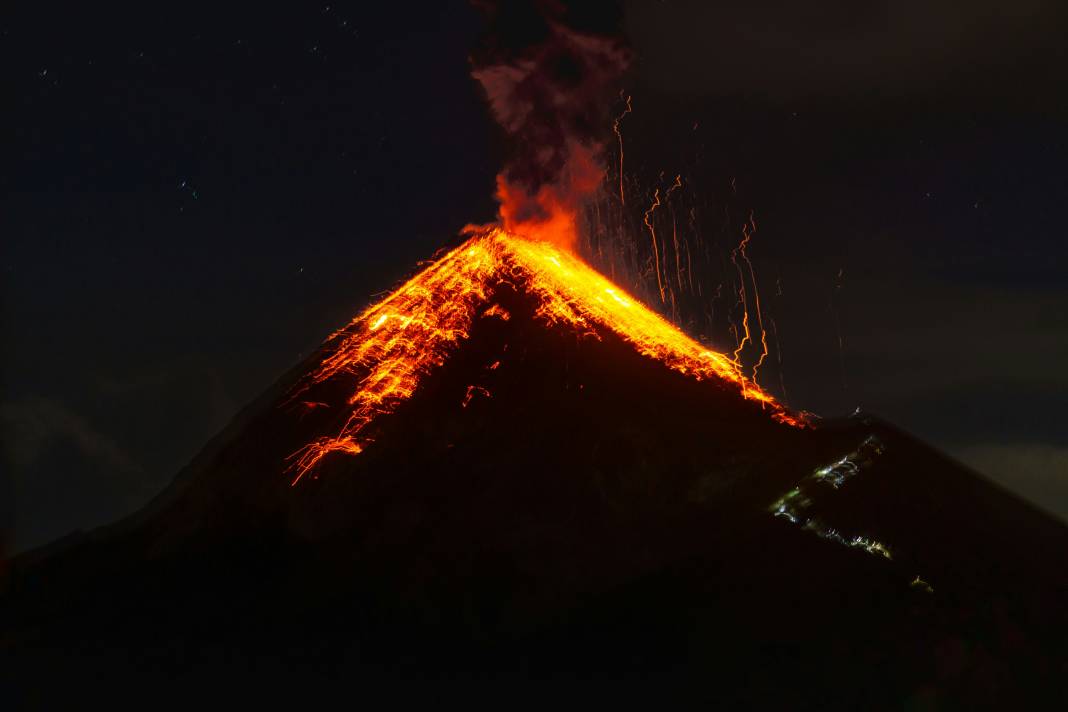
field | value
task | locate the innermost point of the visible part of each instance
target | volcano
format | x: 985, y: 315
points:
x: 511, y: 481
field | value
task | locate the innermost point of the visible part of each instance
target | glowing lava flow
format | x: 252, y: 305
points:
x: 393, y: 344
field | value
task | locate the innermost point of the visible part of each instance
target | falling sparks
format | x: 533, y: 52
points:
x: 748, y: 229
x: 649, y: 225
x: 393, y: 345
x: 656, y: 250
x: 778, y: 353
x: 619, y: 138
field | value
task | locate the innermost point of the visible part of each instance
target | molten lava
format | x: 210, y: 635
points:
x: 392, y: 345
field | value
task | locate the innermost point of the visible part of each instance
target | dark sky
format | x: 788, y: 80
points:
x: 194, y: 195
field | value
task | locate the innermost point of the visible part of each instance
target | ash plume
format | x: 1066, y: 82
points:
x: 550, y: 73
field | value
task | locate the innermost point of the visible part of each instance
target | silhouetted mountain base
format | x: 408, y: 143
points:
x: 597, y: 528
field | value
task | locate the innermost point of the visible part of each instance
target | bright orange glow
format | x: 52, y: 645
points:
x: 551, y: 213
x: 391, y: 346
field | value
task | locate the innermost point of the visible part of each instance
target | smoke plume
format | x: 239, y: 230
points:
x: 551, y: 74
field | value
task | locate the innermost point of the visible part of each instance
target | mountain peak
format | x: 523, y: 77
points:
x: 390, y: 347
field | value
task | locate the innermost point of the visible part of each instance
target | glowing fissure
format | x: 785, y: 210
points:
x: 391, y: 346
x: 794, y: 505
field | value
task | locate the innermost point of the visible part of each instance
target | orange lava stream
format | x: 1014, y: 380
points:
x: 394, y: 343
x: 390, y: 347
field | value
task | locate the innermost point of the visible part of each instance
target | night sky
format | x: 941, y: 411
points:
x: 193, y: 196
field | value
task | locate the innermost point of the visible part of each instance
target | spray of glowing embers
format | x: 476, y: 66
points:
x: 795, y: 504
x: 389, y: 348
x: 684, y: 244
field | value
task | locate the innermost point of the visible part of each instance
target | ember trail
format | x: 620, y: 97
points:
x: 392, y: 345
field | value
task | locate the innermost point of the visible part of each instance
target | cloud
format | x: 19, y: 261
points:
x: 35, y: 424
x: 788, y: 49
x: 1036, y: 471
x: 945, y: 336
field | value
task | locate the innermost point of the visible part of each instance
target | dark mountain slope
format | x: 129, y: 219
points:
x: 589, y: 523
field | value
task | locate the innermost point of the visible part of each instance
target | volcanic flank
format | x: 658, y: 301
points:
x: 392, y: 345
x: 511, y: 477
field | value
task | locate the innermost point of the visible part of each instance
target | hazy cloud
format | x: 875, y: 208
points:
x: 788, y: 49
x: 1036, y: 471
x: 35, y: 424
